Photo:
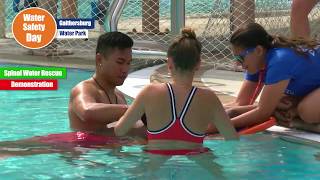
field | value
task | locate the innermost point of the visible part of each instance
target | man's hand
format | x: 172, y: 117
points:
x: 112, y: 125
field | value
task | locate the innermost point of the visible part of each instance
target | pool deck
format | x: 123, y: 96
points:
x: 225, y: 83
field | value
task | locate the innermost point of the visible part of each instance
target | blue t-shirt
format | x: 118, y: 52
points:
x: 285, y: 64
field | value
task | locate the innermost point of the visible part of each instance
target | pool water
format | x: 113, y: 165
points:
x: 25, y: 114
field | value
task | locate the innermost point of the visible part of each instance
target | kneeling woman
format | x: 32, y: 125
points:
x: 290, y: 68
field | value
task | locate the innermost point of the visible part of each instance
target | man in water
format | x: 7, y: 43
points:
x: 96, y: 102
x: 93, y: 104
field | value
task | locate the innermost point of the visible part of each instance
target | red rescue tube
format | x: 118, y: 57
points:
x: 259, y: 127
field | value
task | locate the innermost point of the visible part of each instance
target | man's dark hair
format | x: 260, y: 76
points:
x: 112, y: 40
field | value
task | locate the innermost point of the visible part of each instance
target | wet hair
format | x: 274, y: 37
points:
x: 185, y: 50
x: 110, y: 40
x: 254, y: 34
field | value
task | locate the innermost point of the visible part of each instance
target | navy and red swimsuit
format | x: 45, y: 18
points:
x: 177, y: 129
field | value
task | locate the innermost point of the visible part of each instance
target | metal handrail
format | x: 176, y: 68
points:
x: 114, y: 13
x: 111, y: 24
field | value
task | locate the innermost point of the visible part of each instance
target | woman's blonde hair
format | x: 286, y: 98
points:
x: 185, y: 50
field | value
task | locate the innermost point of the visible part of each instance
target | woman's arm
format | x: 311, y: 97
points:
x: 269, y: 100
x: 222, y: 121
x: 247, y: 90
x: 133, y: 114
x: 237, y: 110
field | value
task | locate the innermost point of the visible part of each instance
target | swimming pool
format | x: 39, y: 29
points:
x: 25, y: 114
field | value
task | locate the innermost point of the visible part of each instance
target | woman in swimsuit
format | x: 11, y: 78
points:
x: 178, y: 113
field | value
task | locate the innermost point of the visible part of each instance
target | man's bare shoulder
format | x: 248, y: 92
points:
x: 86, y: 87
x: 120, y: 94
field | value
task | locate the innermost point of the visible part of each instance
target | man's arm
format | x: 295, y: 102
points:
x: 84, y: 104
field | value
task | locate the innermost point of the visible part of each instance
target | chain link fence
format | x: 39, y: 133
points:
x: 149, y: 23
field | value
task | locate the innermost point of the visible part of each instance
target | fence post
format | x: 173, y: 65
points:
x: 69, y: 8
x: 177, y: 16
x: 150, y: 16
x: 242, y: 12
x: 50, y: 5
x: 2, y: 20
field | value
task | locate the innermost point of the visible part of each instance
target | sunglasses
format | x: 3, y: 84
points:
x: 240, y: 57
